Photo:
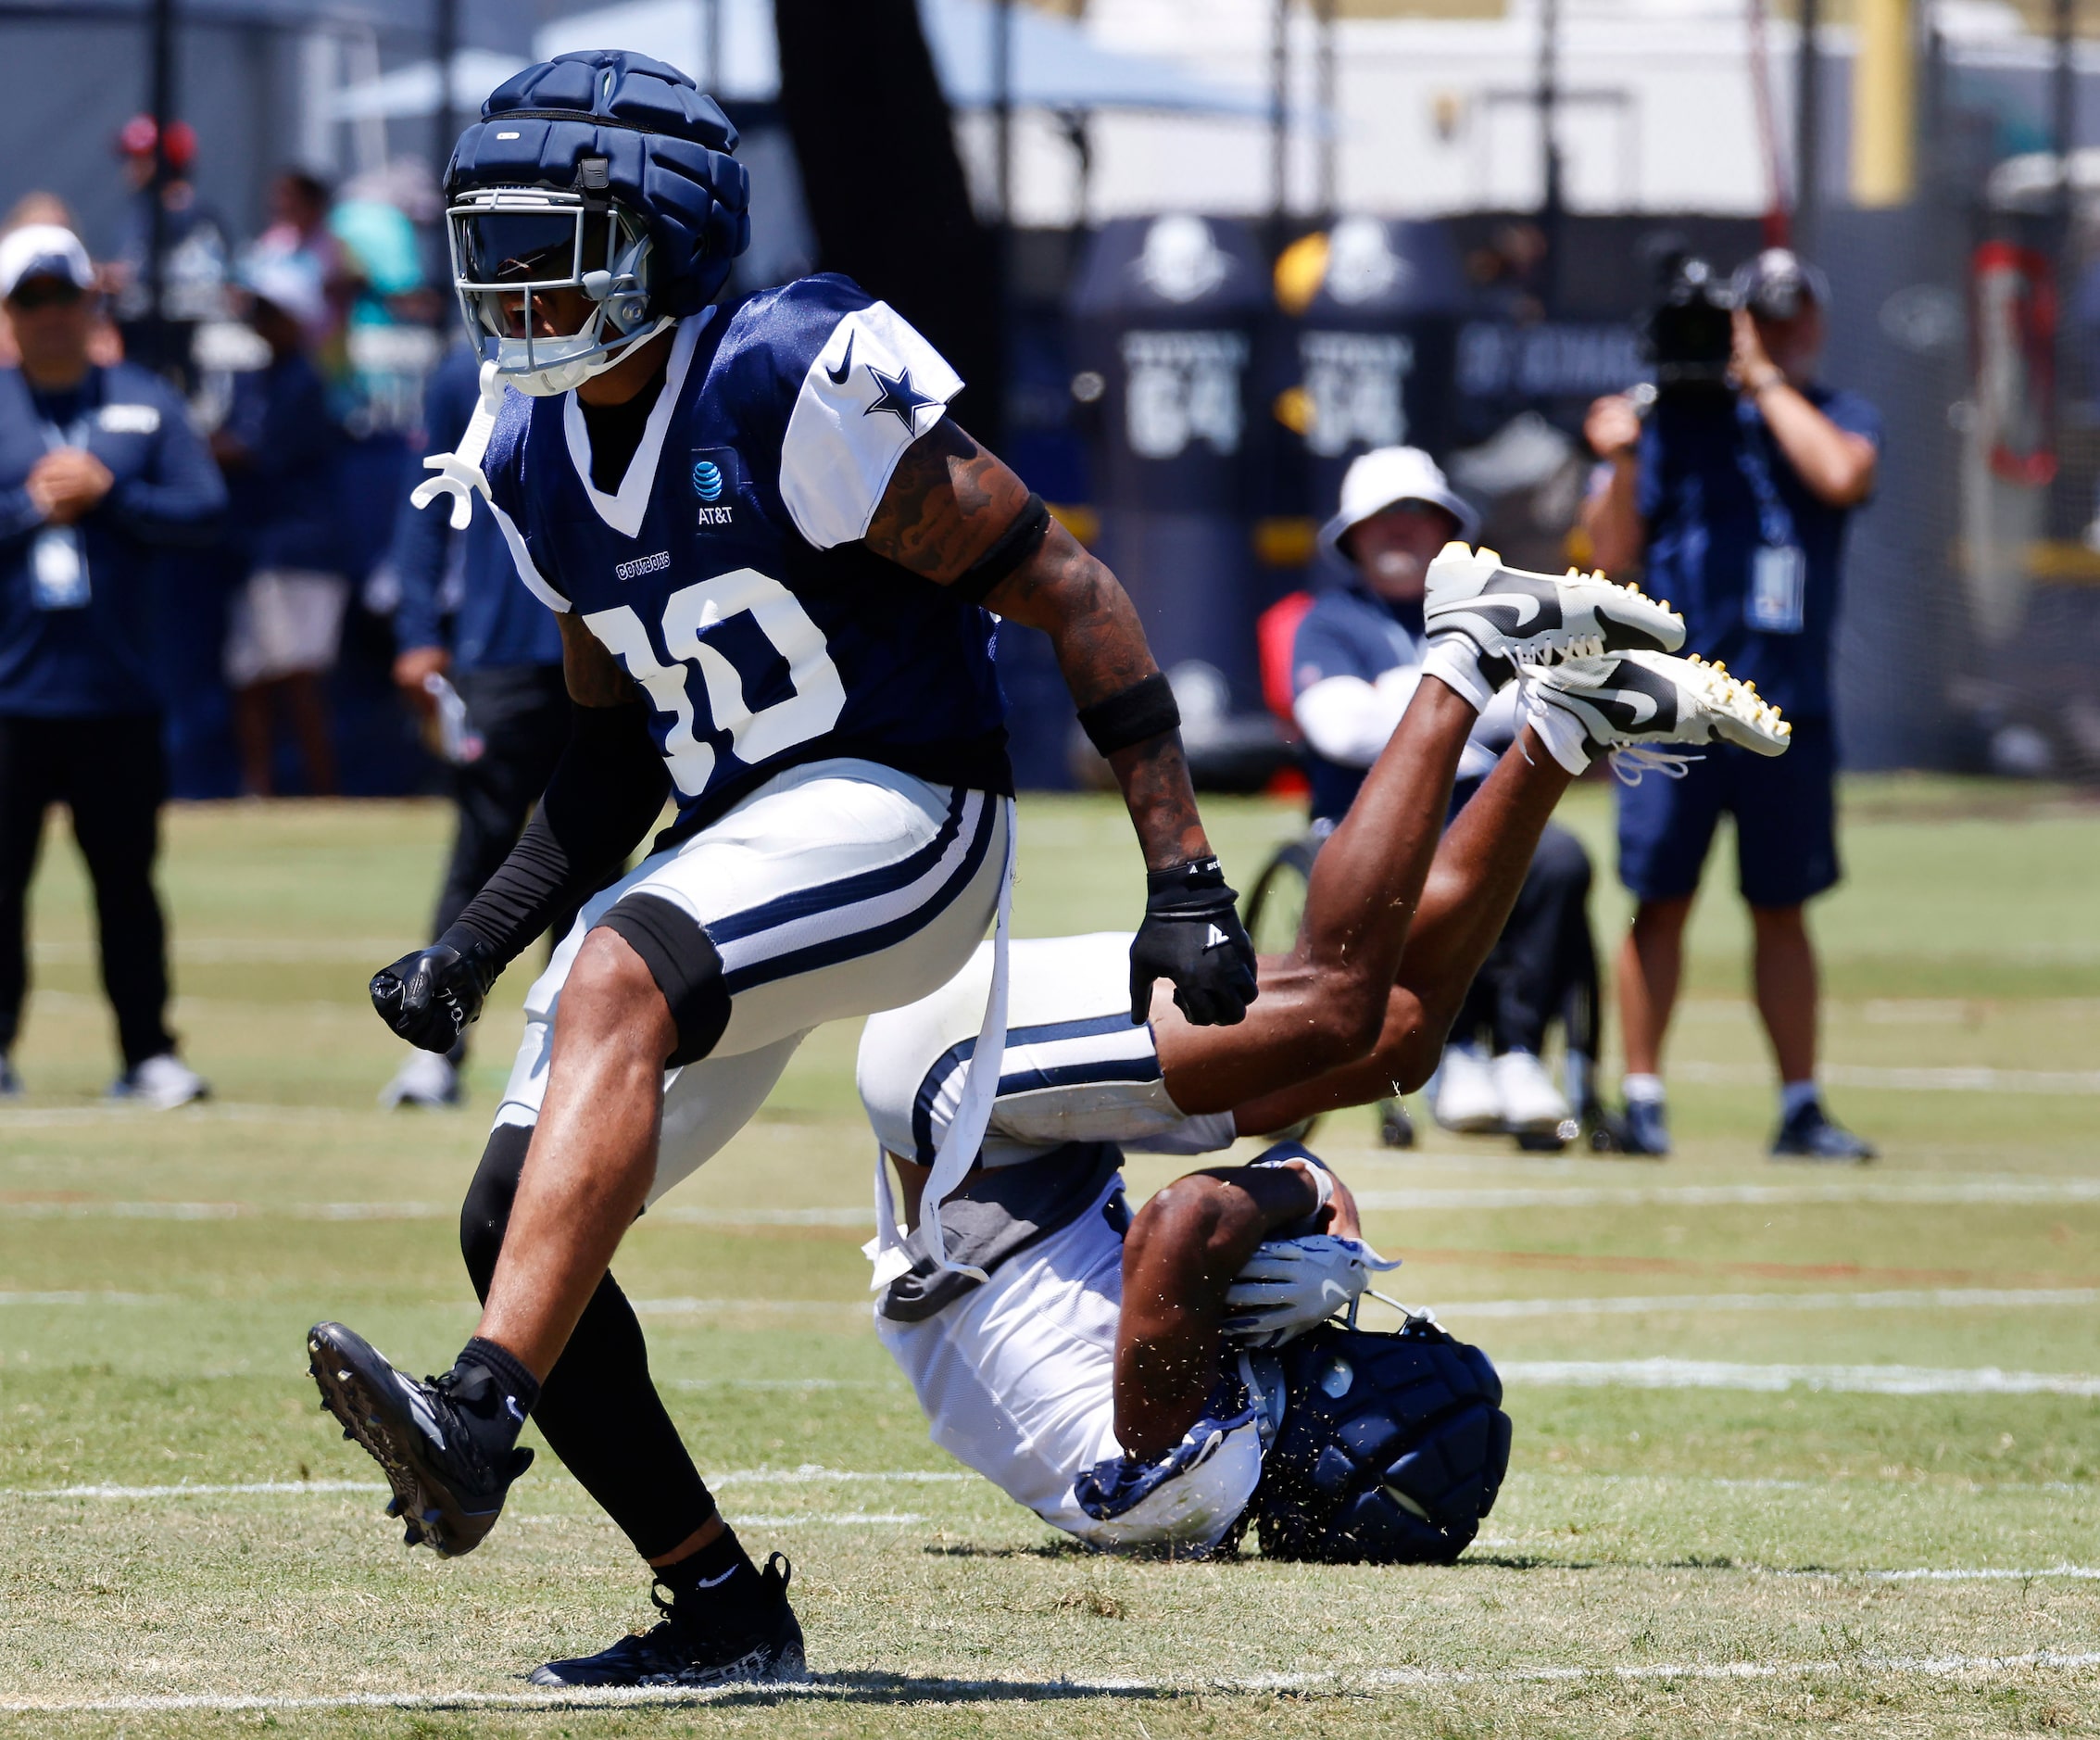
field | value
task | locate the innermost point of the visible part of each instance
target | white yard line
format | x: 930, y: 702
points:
x: 1640, y: 1305
x: 783, y: 1384
x: 398, y: 1211
x: 241, y: 951
x: 1927, y: 1192
x: 808, y: 1474
x: 784, y: 1307
x: 81, y: 1298
x: 1712, y: 1374
x: 206, y: 1112
x: 843, y: 1686
x: 201, y: 1490
x: 1971, y: 1079
x: 1958, y: 1192
x: 679, y: 1214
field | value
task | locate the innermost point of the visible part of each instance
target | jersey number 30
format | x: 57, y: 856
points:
x: 689, y: 613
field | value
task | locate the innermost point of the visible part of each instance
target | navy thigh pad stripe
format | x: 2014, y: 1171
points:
x: 855, y: 944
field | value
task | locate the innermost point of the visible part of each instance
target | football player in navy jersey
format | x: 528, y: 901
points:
x: 772, y: 556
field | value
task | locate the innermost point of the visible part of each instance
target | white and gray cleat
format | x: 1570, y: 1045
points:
x: 1513, y: 617
x: 1623, y: 703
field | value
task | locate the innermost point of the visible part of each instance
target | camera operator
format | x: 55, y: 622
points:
x: 1735, y: 491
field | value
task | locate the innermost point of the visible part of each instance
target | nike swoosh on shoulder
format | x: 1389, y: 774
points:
x: 837, y: 376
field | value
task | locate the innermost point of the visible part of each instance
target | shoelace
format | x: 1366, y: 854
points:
x: 1632, y: 763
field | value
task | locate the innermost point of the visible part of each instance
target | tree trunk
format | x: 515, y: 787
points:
x: 885, y: 186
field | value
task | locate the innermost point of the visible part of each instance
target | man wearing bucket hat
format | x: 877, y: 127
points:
x: 98, y: 469
x: 1356, y: 664
x: 1738, y: 504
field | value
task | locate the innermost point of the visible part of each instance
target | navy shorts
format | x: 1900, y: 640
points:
x: 1786, y: 841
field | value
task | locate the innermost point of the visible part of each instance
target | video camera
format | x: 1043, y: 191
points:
x: 1687, y: 333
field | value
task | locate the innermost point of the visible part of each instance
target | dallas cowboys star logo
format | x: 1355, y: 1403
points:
x: 899, y: 397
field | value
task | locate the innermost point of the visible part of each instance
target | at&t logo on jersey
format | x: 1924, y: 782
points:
x: 714, y: 479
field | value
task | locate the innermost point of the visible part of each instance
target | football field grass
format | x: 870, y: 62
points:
x: 1796, y: 1449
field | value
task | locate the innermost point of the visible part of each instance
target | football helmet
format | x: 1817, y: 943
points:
x: 1392, y: 1450
x: 596, y: 192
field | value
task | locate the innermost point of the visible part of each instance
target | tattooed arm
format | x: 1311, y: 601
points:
x: 948, y: 503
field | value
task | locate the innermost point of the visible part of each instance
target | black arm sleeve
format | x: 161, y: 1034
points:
x: 605, y: 792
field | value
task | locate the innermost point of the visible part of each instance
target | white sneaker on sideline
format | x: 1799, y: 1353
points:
x: 162, y: 1083
x: 1531, y: 1105
x: 425, y: 1078
x: 1465, y: 1099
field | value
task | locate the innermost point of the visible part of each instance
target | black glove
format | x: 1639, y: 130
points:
x: 1192, y: 935
x: 433, y: 996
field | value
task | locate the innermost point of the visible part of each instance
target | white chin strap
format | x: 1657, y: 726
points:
x: 551, y: 380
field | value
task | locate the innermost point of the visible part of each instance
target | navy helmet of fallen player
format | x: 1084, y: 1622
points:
x: 1390, y: 1450
x: 603, y: 174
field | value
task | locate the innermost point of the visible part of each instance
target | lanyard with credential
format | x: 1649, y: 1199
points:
x: 1778, y: 570
x: 1775, y: 520
x: 58, y: 575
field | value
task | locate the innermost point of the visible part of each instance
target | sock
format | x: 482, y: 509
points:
x: 1561, y: 732
x: 1642, y: 1090
x: 495, y: 1392
x: 1793, y: 1095
x: 720, y: 1575
x: 1455, y: 662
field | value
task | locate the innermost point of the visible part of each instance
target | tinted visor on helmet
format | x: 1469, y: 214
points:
x: 515, y: 249
x: 524, y: 246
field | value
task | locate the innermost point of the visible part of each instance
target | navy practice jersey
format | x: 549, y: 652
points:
x: 727, y: 572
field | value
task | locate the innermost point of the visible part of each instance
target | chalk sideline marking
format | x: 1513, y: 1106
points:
x: 1663, y: 1373
x: 1923, y: 1192
x: 807, y: 1474
x: 1638, y: 1305
x: 843, y: 1685
x: 1974, y: 1079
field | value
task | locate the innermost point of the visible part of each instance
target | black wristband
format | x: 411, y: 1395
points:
x: 1201, y: 875
x: 1130, y: 715
x: 1012, y: 546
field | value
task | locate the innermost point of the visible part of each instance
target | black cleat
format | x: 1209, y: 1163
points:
x: 765, y: 1649
x: 444, y: 1484
x: 1810, y: 1134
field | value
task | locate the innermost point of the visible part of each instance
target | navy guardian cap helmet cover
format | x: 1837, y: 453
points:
x: 604, y: 136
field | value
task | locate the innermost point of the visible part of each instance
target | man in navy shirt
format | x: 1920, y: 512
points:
x: 1739, y: 502
x: 97, y: 469
x: 465, y: 618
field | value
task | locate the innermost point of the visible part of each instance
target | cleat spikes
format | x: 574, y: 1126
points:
x: 394, y: 1506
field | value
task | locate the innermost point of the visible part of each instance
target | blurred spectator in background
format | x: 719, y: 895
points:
x: 104, y: 345
x: 1354, y: 666
x: 194, y: 265
x: 488, y: 683
x: 278, y: 450
x: 1738, y: 502
x: 298, y: 235
x: 98, y: 466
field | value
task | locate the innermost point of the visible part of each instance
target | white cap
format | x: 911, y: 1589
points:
x: 43, y: 250
x: 286, y: 285
x: 1384, y: 478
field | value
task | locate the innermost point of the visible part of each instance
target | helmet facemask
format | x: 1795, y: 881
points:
x: 517, y: 251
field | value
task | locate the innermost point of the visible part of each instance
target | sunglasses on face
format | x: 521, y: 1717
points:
x: 45, y: 293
